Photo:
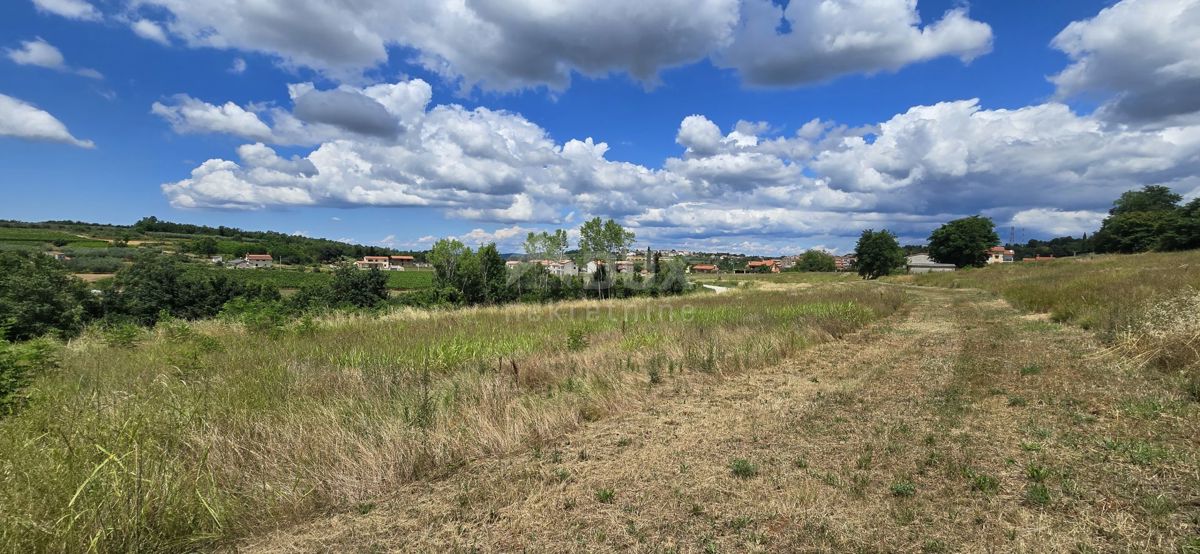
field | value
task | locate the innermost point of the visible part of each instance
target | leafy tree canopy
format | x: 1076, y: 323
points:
x: 963, y: 242
x: 815, y: 260
x: 547, y: 246
x: 603, y: 239
x: 1152, y: 198
x: 39, y: 297
x: 878, y: 253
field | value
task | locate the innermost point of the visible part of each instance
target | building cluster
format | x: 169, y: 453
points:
x: 386, y: 263
x: 568, y: 268
x: 251, y: 261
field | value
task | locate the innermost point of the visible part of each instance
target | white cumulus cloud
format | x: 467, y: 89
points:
x: 150, y: 30
x: 70, y: 9
x: 23, y: 120
x: 824, y: 39
x: 188, y: 115
x: 514, y: 44
x: 40, y: 53
x: 1141, y: 54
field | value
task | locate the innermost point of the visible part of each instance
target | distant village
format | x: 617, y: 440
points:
x: 696, y: 262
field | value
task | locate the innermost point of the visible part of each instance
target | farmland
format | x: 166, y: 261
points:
x: 298, y: 278
x: 41, y: 238
x: 796, y: 412
x: 199, y: 439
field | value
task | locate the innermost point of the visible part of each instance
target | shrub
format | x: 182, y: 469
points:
x: 903, y: 488
x: 122, y: 335
x: 984, y: 483
x: 1037, y: 494
x: 258, y: 316
x: 19, y: 365
x: 576, y: 339
x: 38, y: 297
x: 742, y: 468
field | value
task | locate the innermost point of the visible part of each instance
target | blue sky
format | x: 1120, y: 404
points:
x: 744, y: 125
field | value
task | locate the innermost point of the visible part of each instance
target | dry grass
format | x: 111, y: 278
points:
x: 203, y: 433
x: 1145, y: 306
x: 959, y: 427
x: 1101, y: 293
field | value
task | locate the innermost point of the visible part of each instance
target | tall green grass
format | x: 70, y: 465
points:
x: 195, y: 434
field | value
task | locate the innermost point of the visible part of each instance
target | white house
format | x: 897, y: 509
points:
x: 922, y: 263
x: 252, y: 261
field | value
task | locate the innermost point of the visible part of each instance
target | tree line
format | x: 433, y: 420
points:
x: 481, y: 276
x: 1153, y: 218
x: 39, y: 296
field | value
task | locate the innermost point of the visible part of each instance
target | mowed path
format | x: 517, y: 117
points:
x: 958, y: 425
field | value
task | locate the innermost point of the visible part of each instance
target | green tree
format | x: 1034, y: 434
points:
x: 356, y: 287
x: 815, y: 260
x: 1129, y: 232
x: 963, y: 242
x: 205, y: 246
x: 604, y: 239
x: 143, y: 290
x: 1182, y: 230
x: 156, y: 284
x: 494, y: 274
x: 445, y: 257
x: 1152, y: 198
x: 1142, y: 220
x: 545, y: 245
x: 878, y: 254
x: 38, y: 296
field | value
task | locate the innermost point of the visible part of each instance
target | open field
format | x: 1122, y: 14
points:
x: 736, y: 279
x: 31, y: 236
x: 1104, y: 293
x: 199, y: 434
x: 796, y: 412
x: 955, y: 425
x: 294, y: 278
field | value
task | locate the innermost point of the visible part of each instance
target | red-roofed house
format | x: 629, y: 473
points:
x: 398, y: 263
x: 1000, y: 255
x: 704, y: 268
x: 259, y: 260
x: 764, y: 265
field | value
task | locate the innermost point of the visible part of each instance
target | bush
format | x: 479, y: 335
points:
x: 122, y: 335
x: 743, y: 468
x: 903, y: 489
x: 38, y: 297
x: 267, y: 317
x: 19, y: 365
x: 156, y: 285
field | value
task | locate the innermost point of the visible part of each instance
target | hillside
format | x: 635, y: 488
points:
x: 96, y: 251
x: 151, y: 233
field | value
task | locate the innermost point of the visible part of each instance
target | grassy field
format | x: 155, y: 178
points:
x: 199, y: 434
x: 744, y: 279
x: 958, y: 424
x: 1147, y: 306
x: 1103, y: 293
x: 31, y: 236
x: 294, y: 279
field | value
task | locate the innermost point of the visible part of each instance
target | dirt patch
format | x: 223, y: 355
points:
x: 93, y: 277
